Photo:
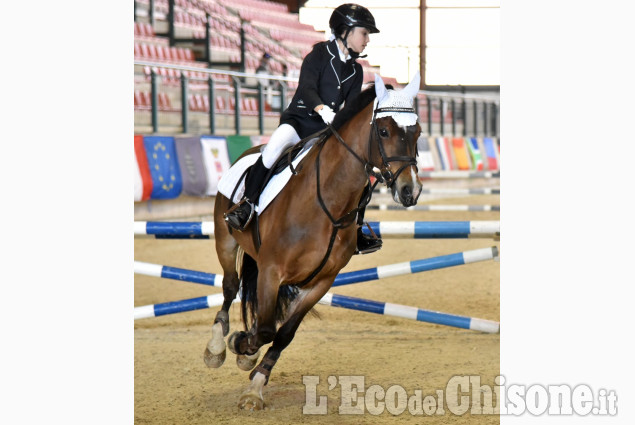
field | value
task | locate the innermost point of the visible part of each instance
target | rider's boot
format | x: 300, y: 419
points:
x: 239, y: 216
x: 366, y: 243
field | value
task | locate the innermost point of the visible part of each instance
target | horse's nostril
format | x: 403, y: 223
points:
x: 406, y: 192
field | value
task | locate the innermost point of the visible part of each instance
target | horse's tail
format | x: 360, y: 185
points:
x: 249, y: 293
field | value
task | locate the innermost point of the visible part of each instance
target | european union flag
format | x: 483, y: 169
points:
x: 164, y: 167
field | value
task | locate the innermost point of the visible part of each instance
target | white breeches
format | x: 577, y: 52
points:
x: 282, y: 138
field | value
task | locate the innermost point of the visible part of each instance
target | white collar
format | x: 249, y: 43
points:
x: 342, y: 57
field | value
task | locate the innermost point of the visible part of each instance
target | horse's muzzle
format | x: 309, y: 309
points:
x: 406, y: 193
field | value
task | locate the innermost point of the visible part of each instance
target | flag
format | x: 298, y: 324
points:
x: 475, y: 153
x: 460, y: 153
x: 190, y: 156
x: 143, y: 178
x: 490, y: 151
x: 444, y: 153
x: 216, y: 160
x: 164, y: 167
x: 236, y: 145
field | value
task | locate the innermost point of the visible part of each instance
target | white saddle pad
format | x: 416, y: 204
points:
x: 229, y: 180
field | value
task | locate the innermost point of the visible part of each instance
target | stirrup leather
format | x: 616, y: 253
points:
x: 232, y: 220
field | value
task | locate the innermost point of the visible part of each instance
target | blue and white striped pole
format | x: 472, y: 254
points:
x: 434, y: 229
x: 407, y: 312
x: 416, y: 266
x: 175, y: 273
x: 387, y: 229
x: 459, y: 174
x: 384, y: 207
x: 351, y: 303
x: 162, y: 309
x: 191, y: 229
x: 454, y: 191
x: 364, y: 275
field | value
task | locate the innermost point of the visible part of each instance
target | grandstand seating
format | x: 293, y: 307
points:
x: 268, y: 27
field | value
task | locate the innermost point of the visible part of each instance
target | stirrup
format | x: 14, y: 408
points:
x: 232, y: 218
x: 374, y: 242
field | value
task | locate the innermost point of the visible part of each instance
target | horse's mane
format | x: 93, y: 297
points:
x: 356, y: 105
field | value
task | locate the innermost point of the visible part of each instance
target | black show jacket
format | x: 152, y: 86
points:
x: 324, y: 79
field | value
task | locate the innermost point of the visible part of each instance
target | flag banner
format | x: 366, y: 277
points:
x: 143, y: 178
x: 236, y: 145
x: 436, y: 158
x: 445, y: 153
x: 216, y: 160
x: 190, y: 156
x: 259, y: 140
x: 491, y: 151
x: 164, y: 167
x: 424, y: 159
x: 475, y: 153
x: 460, y: 153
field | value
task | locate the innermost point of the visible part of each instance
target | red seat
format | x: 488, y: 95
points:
x: 152, y: 50
x: 148, y: 29
x: 191, y: 103
x: 145, y: 53
x: 146, y: 100
x: 200, y: 106
x: 164, y: 102
x: 220, y: 103
x: 161, y: 53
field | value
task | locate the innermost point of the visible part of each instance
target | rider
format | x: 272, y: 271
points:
x: 329, y: 77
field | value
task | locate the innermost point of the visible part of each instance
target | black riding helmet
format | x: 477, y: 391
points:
x: 352, y: 15
x: 347, y: 16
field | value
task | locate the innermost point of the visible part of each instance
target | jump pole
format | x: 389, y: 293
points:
x: 452, y: 191
x: 351, y: 303
x: 434, y: 229
x: 457, y: 174
x: 384, y: 207
x: 390, y: 229
x: 365, y: 275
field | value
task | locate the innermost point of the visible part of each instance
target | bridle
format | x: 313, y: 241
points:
x: 385, y: 174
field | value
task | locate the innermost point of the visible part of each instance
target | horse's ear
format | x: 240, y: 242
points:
x: 413, y: 87
x: 380, y: 88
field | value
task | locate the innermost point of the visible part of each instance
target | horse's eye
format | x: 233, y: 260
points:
x: 383, y: 132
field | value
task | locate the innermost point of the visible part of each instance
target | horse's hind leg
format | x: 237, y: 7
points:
x: 226, y: 248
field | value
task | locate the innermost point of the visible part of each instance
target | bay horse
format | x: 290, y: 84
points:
x: 290, y: 258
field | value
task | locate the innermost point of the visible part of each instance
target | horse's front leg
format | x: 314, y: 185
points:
x: 215, y: 351
x: 246, y: 345
x: 252, y: 398
x: 227, y: 250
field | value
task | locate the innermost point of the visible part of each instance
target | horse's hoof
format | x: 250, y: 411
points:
x: 246, y: 362
x: 214, y: 360
x: 251, y: 402
x: 215, y: 352
x: 232, y: 341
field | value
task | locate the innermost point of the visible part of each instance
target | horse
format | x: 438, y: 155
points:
x: 286, y: 259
